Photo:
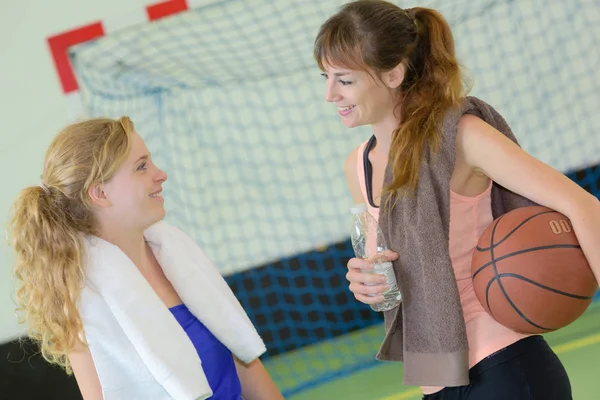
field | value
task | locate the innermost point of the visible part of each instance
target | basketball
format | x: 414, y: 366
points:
x: 530, y: 273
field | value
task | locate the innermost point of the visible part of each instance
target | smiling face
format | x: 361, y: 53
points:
x: 132, y: 198
x: 361, y: 98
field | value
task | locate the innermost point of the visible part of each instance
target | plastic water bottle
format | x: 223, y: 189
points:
x: 368, y: 243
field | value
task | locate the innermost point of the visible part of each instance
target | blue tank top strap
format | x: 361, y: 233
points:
x: 217, y: 360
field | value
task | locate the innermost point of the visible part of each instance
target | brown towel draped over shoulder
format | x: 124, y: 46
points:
x: 428, y: 331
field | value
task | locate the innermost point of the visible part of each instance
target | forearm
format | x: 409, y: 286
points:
x: 256, y: 381
x: 585, y: 219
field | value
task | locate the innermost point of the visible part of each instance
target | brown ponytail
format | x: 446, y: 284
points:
x: 432, y: 85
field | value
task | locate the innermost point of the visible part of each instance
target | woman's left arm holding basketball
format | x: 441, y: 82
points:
x: 493, y: 154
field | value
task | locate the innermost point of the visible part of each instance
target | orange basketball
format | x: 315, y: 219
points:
x: 529, y: 271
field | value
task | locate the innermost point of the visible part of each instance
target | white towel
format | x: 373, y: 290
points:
x: 139, y: 348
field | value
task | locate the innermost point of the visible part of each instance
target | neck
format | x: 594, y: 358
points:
x: 383, y: 132
x: 131, y: 242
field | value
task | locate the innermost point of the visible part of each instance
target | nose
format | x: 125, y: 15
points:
x: 331, y: 93
x: 160, y: 176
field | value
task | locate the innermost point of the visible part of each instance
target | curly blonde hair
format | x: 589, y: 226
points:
x: 47, y: 226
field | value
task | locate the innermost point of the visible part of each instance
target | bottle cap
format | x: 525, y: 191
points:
x: 358, y: 209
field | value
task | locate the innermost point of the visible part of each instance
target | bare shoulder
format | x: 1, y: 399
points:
x: 467, y: 179
x: 476, y: 137
x: 469, y: 126
x: 474, y: 131
x: 352, y: 176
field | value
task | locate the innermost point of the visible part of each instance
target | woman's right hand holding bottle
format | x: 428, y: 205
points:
x: 368, y: 287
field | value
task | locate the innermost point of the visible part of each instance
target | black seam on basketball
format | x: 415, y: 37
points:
x: 553, y: 246
x: 497, y: 277
x: 513, y: 231
x: 493, y: 261
x: 523, y: 278
x: 487, y: 296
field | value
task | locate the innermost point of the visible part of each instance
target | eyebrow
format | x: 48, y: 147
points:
x: 144, y: 157
x: 338, y: 74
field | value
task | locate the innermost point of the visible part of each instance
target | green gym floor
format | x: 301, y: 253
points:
x: 577, y: 345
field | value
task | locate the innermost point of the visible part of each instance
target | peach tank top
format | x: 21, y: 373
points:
x: 469, y: 217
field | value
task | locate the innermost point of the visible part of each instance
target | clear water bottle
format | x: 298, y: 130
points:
x: 368, y: 243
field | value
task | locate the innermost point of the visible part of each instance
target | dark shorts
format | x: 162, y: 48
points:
x: 526, y: 370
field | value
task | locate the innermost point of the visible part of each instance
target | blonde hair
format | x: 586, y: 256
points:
x: 47, y: 226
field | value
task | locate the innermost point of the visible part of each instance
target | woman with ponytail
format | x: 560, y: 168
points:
x: 439, y: 168
x: 113, y: 293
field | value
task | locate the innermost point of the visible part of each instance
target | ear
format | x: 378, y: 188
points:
x: 97, y: 195
x: 394, y: 77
